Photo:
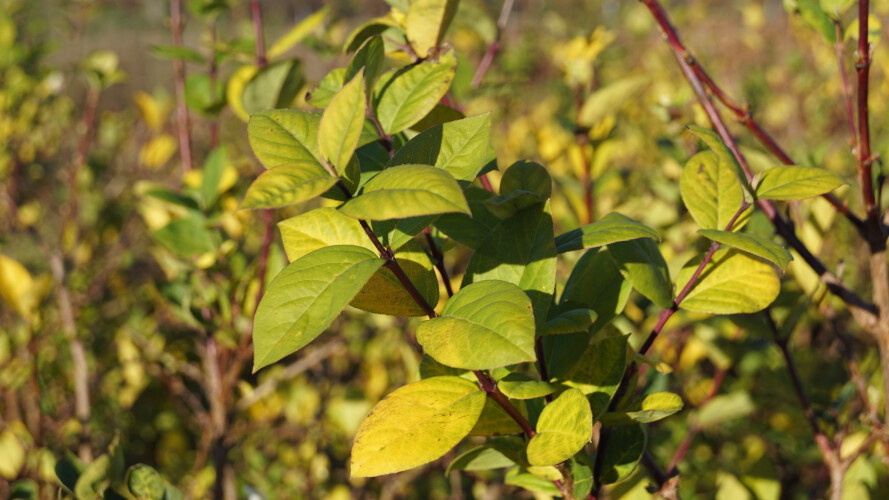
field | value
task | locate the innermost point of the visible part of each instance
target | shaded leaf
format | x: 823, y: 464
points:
x: 570, y: 321
x: 754, y: 245
x: 596, y: 283
x: 642, y: 264
x: 520, y: 386
x: 274, y: 86
x: 612, y: 228
x: 460, y: 147
x: 620, y: 453
x: 480, y: 458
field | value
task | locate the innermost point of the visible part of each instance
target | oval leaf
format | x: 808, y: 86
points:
x: 409, y: 94
x: 407, y: 191
x: 485, y: 325
x: 520, y: 386
x: 426, y: 23
x: 415, y: 425
x: 612, y: 228
x: 564, y: 427
x: 754, y: 245
x: 656, y: 406
x: 731, y: 283
x: 342, y: 122
x: 642, y: 264
x: 384, y: 293
x: 284, y: 136
x: 320, y: 228
x: 460, y: 147
x: 711, y: 191
x: 288, y: 184
x: 796, y: 183
x: 306, y: 296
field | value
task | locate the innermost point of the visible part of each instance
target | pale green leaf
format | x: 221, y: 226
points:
x: 273, y: 87
x: 415, y: 425
x: 409, y: 94
x: 187, y: 237
x: 796, y: 183
x: 564, y: 427
x: 485, y: 325
x: 731, y: 283
x: 725, y: 407
x: 754, y: 245
x: 426, y: 23
x: 656, y: 406
x: 319, y: 228
x: 407, y: 191
x: 520, y: 386
x: 711, y: 192
x: 284, y: 136
x: 211, y: 179
x: 328, y: 86
x: 517, y: 476
x: 612, y: 228
x: 288, y: 184
x: 480, y: 458
x: 641, y: 263
x: 725, y: 155
x: 620, y: 452
x: 812, y: 14
x: 145, y: 483
x: 608, y: 100
x: 460, y: 147
x: 341, y: 124
x: 370, y: 57
x: 304, y: 298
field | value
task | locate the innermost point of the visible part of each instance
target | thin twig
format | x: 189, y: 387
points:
x: 182, y: 123
x: 494, y: 48
x: 439, y: 261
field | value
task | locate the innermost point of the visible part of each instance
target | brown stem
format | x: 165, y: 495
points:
x: 182, y: 123
x: 439, y: 261
x: 494, y: 48
x: 844, y: 81
x: 213, y: 72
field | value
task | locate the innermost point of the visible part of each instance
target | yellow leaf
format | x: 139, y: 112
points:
x: 157, y: 151
x: 17, y: 286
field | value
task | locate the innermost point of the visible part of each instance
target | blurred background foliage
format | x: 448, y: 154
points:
x: 127, y: 272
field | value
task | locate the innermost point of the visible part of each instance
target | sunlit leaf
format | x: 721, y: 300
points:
x: 520, y: 386
x: 426, y: 23
x: 288, y: 184
x: 656, y: 406
x: 407, y: 191
x: 731, y: 283
x: 484, y: 325
x: 341, y: 124
x: 297, y: 33
x: 460, y: 147
x: 409, y: 94
x: 570, y: 321
x: 415, y: 425
x: 612, y: 228
x: 754, y: 245
x: 796, y: 183
x: 564, y: 427
x: 306, y: 296
x: 642, y: 264
x: 711, y: 192
x: 284, y: 136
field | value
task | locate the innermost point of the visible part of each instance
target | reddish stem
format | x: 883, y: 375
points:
x: 182, y: 122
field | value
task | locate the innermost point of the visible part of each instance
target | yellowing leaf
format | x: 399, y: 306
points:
x: 426, y: 23
x: 287, y: 185
x: 564, y: 427
x: 407, y: 191
x: 731, y: 283
x: 157, y: 151
x: 415, y: 425
x: 17, y: 287
x: 341, y: 123
x: 297, y: 33
x: 796, y: 183
x: 408, y: 95
x: 234, y: 90
x: 711, y: 191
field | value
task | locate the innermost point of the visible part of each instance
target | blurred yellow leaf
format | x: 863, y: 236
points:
x: 17, y: 287
x: 157, y: 151
x: 12, y: 455
x: 234, y: 91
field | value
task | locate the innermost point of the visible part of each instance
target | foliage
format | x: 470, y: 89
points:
x: 511, y: 247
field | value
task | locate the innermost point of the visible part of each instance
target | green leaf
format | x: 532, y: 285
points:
x: 306, y: 296
x: 711, y: 192
x: 480, y: 458
x: 570, y: 321
x: 564, y: 427
x: 620, y: 453
x: 274, y: 86
x: 407, y: 191
x: 731, y: 283
x: 415, y: 425
x: 813, y: 15
x: 460, y: 147
x: 177, y: 52
x: 521, y: 386
x: 518, y: 477
x: 656, y: 406
x: 284, y: 136
x: 582, y: 473
x: 470, y: 231
x: 288, y: 184
x: 145, y: 483
x: 485, y: 325
x: 754, y: 245
x: 529, y: 177
x: 186, y: 237
x: 596, y: 283
x: 320, y: 228
x: 725, y: 407
x: 327, y: 87
x: 370, y: 57
x: 341, y: 124
x: 725, y: 155
x: 796, y: 183
x: 409, y: 94
x: 297, y: 33
x: 520, y: 251
x: 201, y: 96
x: 94, y: 479
x: 612, y: 228
x: 494, y: 421
x: 426, y: 23
x: 642, y: 264
x: 595, y: 370
x: 367, y: 30
x: 214, y: 168
x: 439, y: 115
x: 608, y: 100
x: 397, y: 232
